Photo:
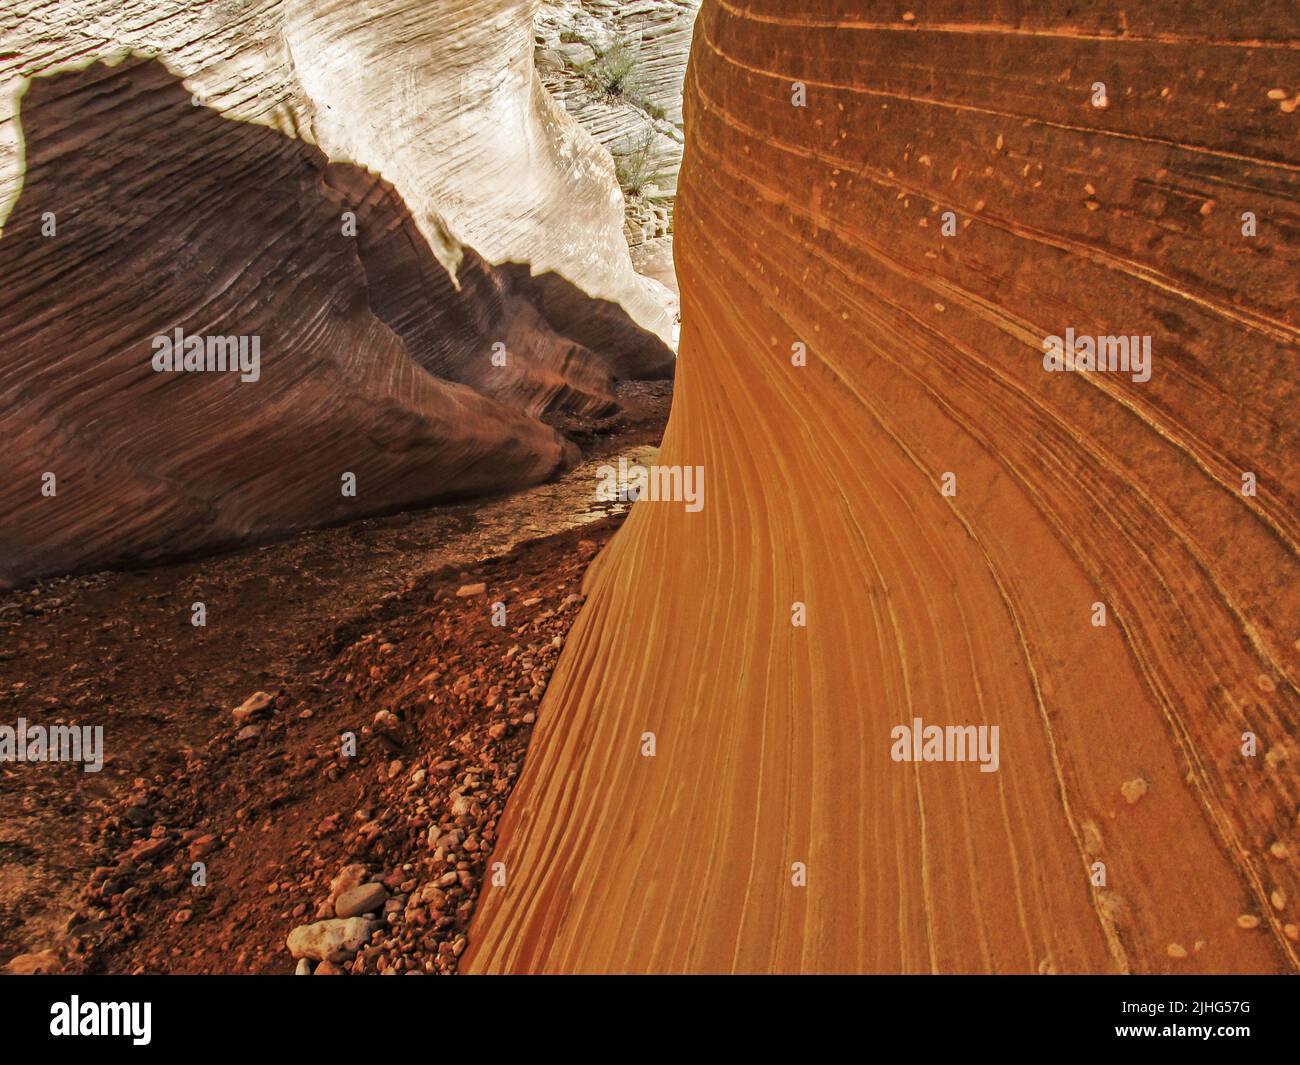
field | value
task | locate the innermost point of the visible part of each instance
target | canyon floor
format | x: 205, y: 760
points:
x: 377, y: 629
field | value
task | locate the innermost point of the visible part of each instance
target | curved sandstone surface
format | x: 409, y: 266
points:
x: 127, y: 238
x: 441, y: 97
x: 287, y: 195
x: 950, y: 514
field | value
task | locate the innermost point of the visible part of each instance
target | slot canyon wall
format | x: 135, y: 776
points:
x: 385, y: 203
x: 582, y: 46
x: 949, y: 513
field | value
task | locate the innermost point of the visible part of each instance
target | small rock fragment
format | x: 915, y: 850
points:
x: 350, y: 876
x: 1134, y: 789
x: 45, y: 961
x: 255, y: 705
x: 334, y: 940
x: 368, y: 898
x: 203, y: 845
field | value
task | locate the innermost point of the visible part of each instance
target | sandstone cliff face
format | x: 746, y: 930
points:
x: 1120, y: 212
x: 618, y: 69
x: 426, y: 249
x: 125, y: 234
x: 440, y: 97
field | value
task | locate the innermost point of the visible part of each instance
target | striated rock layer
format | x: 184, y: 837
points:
x: 290, y: 196
x: 583, y: 44
x: 1131, y: 826
x: 125, y: 233
x: 439, y: 96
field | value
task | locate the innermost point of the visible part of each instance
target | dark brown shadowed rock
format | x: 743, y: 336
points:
x: 442, y: 100
x: 496, y: 329
x: 141, y: 214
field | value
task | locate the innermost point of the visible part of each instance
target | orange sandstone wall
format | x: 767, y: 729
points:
x: 1111, y: 212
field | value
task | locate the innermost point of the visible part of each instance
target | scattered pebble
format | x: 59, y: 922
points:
x: 45, y: 961
x: 412, y: 844
x: 254, y: 706
x: 368, y: 898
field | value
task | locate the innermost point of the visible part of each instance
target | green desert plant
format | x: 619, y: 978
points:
x: 614, y: 71
x: 615, y: 74
x: 635, y: 165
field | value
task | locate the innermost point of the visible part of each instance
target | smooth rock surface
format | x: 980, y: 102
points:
x: 822, y: 226
x: 439, y: 97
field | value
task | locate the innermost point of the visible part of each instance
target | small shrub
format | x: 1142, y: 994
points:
x: 635, y: 165
x: 614, y: 72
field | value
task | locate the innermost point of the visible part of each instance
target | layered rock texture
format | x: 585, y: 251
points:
x: 951, y: 516
x: 426, y: 250
x: 618, y: 69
